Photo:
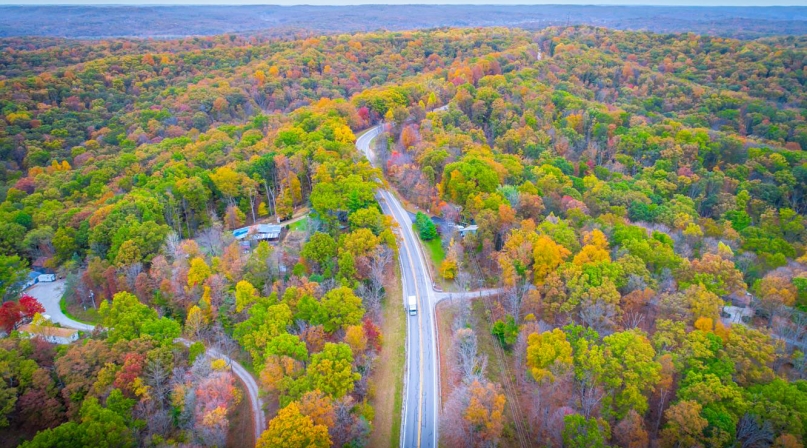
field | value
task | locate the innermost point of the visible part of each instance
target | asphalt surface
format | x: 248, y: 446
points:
x: 255, y: 402
x: 49, y: 294
x: 419, y: 426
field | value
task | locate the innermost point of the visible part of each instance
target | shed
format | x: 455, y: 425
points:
x: 241, y: 233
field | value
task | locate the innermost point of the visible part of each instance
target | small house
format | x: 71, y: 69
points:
x: 54, y: 335
x: 463, y: 231
x: 269, y: 232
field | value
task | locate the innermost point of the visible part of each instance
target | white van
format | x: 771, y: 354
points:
x: 412, y: 305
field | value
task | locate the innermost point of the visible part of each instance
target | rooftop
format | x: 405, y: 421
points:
x: 48, y: 331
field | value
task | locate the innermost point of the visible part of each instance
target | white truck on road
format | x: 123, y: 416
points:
x: 412, y: 305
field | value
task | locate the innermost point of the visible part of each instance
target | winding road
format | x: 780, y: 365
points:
x: 422, y: 390
x: 422, y: 377
x: 49, y: 295
x: 255, y: 402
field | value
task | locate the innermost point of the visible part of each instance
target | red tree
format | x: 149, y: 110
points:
x: 9, y: 316
x: 29, y: 306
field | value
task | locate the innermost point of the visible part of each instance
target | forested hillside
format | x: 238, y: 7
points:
x: 625, y: 188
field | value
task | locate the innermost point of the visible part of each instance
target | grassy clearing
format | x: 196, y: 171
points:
x: 77, y: 312
x: 386, y: 400
x: 436, y: 251
x: 486, y: 339
x: 301, y: 225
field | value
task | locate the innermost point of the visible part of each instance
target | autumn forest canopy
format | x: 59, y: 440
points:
x: 639, y: 198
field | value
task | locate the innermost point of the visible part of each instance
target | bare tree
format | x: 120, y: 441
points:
x: 599, y: 315
x: 513, y: 298
x: 454, y: 431
x: 470, y: 363
x: 462, y: 318
x: 463, y: 279
x: 172, y: 242
x: 131, y: 272
x: 379, y: 261
x: 212, y: 239
x: 752, y: 433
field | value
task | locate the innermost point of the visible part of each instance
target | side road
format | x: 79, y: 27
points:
x: 255, y: 402
x: 49, y: 294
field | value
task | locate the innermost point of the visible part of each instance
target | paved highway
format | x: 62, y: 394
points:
x: 419, y: 426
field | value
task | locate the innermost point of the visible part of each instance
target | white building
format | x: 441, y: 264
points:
x: 54, y: 335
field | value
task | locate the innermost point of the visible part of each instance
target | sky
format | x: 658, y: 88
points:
x: 404, y: 2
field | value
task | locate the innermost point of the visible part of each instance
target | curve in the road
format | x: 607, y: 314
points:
x: 49, y: 294
x: 420, y: 405
x: 255, y: 402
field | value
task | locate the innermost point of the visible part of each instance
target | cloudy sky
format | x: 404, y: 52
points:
x: 435, y: 2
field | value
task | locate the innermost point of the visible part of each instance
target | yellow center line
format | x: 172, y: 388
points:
x: 420, y: 339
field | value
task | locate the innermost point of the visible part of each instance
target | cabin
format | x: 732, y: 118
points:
x: 54, y: 335
x: 469, y: 230
x: 268, y: 232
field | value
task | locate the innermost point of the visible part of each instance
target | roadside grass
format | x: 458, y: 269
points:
x: 387, y: 377
x: 445, y: 318
x: 241, y: 432
x: 436, y: 254
x: 436, y: 251
x: 76, y: 312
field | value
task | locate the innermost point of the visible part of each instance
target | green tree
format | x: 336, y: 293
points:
x: 425, y: 226
x: 331, y: 370
x: 631, y: 372
x: 320, y: 249
x: 340, y: 308
x: 266, y: 321
x: 13, y: 270
x: 581, y: 432
x: 125, y: 317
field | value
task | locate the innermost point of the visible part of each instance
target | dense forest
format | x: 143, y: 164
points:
x: 639, y: 198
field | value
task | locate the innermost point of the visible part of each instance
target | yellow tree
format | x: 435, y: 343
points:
x: 194, y: 322
x: 547, y: 256
x: 356, y: 339
x: 548, y: 354
x: 703, y: 303
x: 198, y: 272
x: 485, y: 412
x: 684, y: 425
x: 245, y: 295
x: 595, y: 249
x: 319, y: 407
x: 292, y: 429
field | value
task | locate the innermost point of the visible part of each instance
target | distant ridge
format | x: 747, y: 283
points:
x: 174, y: 21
